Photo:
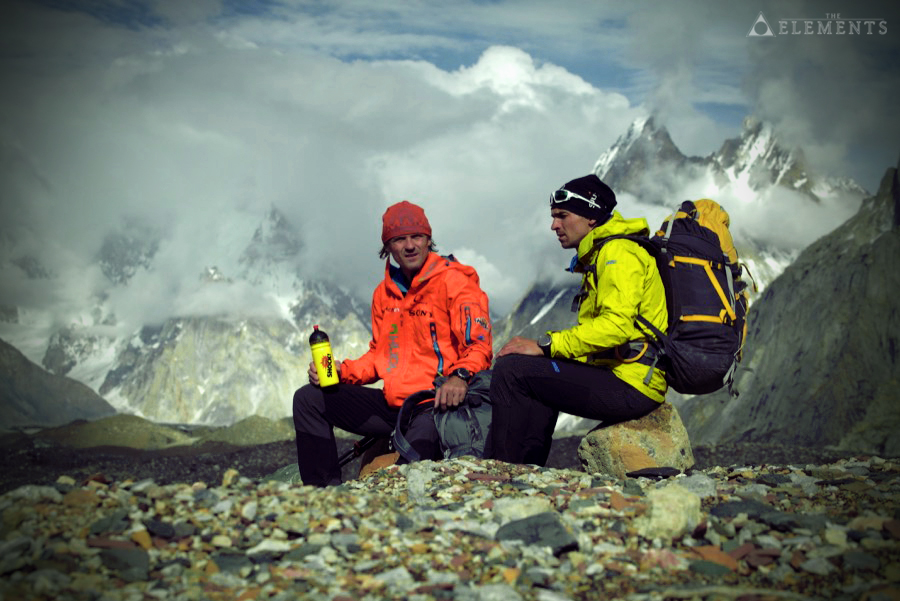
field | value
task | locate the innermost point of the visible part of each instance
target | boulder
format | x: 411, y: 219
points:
x: 656, y: 440
x: 376, y: 457
x: 673, y: 512
x: 378, y: 463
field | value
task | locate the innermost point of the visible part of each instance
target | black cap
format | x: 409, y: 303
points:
x: 594, y: 200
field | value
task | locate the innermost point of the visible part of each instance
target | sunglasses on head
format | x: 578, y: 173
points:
x: 563, y: 195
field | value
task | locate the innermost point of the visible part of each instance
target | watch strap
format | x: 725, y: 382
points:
x: 545, y: 341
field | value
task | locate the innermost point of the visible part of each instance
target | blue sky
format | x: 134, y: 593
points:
x: 196, y: 116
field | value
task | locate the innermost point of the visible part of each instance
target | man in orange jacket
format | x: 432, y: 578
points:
x: 429, y: 318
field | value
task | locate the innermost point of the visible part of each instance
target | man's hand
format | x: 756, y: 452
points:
x: 314, y: 375
x: 521, y: 346
x: 451, y: 393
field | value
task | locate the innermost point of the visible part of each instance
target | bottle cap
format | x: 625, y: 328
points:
x: 318, y: 336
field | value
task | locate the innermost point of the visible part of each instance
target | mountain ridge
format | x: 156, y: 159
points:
x: 754, y: 158
x: 30, y: 397
x: 214, y: 367
x: 647, y: 147
x: 174, y: 370
x: 821, y: 363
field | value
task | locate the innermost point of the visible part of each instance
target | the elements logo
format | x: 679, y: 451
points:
x: 761, y: 28
x: 832, y: 24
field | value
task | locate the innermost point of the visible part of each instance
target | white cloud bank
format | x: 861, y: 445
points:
x: 196, y: 121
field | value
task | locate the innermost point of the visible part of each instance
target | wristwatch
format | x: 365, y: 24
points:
x: 544, y: 341
x: 462, y: 373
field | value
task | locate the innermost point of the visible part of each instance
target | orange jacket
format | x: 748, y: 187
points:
x: 441, y: 324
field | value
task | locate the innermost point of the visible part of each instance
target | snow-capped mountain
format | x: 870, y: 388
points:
x: 754, y: 177
x: 207, y: 367
x: 645, y: 149
x: 645, y: 163
x: 270, y: 254
x: 776, y: 201
x: 219, y: 369
x: 236, y: 345
x: 126, y: 250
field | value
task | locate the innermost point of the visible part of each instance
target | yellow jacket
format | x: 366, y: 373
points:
x: 627, y: 284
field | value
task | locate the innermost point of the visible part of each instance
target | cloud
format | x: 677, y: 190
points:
x: 779, y: 219
x: 478, y: 181
x: 197, y: 120
x: 833, y: 94
x: 200, y: 140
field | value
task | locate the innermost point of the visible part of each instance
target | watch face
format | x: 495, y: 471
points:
x: 463, y: 373
x: 544, y: 342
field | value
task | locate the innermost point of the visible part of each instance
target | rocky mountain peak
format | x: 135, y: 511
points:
x: 646, y: 145
x: 220, y: 367
x: 878, y: 215
x: 275, y: 239
x: 758, y: 157
x: 126, y: 250
x: 271, y: 254
x: 895, y: 195
x: 214, y: 274
x: 756, y: 160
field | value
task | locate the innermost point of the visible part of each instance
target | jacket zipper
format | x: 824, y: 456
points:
x: 437, y: 348
x: 468, y: 313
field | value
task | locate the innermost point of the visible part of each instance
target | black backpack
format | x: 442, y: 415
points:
x: 705, y: 297
x: 463, y: 430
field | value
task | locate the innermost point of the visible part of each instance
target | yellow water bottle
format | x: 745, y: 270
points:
x: 323, y: 358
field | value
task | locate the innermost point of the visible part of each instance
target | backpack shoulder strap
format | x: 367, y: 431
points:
x: 643, y: 241
x: 401, y: 445
x: 657, y: 252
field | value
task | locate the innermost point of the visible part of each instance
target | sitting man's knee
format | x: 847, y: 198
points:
x: 306, y: 396
x: 509, y: 366
x: 503, y: 364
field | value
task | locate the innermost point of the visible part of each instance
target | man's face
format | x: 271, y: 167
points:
x: 409, y: 252
x: 570, y: 229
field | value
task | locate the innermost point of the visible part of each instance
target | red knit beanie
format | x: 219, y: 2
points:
x: 402, y: 219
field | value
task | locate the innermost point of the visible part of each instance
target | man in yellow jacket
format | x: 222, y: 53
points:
x: 600, y: 368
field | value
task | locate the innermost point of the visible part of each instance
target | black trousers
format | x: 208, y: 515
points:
x: 528, y: 393
x: 355, y: 409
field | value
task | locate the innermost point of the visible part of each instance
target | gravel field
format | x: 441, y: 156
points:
x: 33, y: 460
x: 111, y: 527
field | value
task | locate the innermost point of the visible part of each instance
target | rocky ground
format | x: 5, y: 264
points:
x: 194, y: 516
x: 126, y: 447
x: 32, y: 462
